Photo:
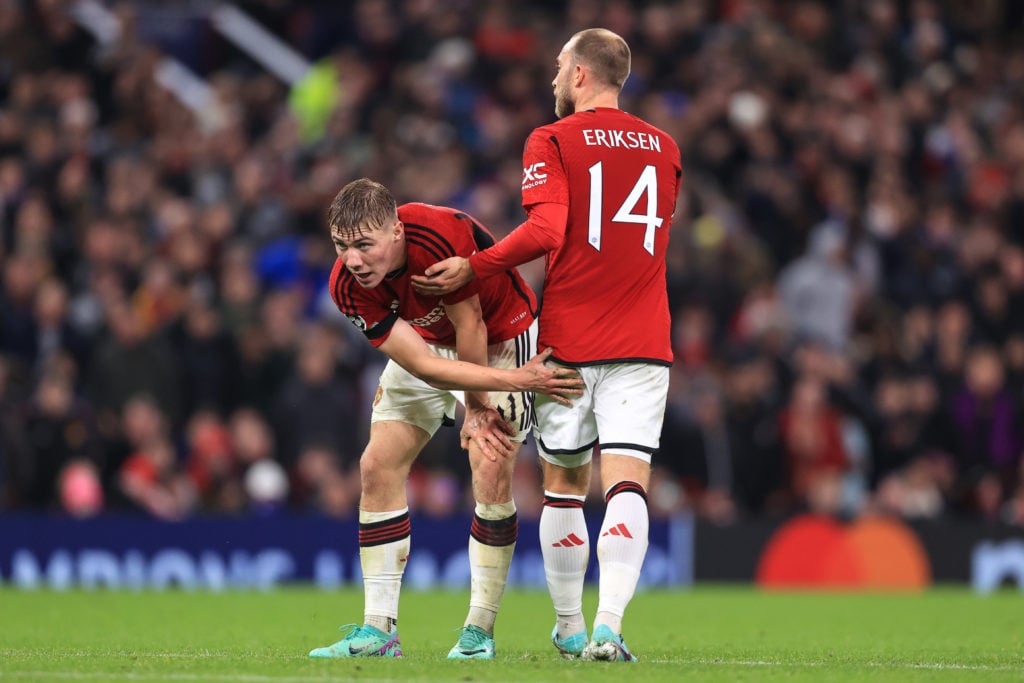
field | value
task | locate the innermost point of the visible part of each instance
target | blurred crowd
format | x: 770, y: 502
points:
x: 846, y: 271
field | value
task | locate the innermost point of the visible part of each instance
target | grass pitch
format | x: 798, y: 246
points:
x: 706, y: 634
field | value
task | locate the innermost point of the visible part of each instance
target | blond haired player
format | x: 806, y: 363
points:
x: 434, y: 344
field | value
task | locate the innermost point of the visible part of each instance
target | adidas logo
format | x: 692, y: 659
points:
x: 618, y: 530
x: 570, y: 541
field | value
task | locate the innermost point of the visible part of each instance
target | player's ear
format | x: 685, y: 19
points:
x: 398, y: 230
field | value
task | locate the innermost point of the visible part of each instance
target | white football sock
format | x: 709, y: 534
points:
x: 621, y: 549
x: 565, y: 545
x: 492, y: 541
x: 384, y: 542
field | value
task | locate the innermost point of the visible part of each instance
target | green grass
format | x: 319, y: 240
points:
x: 708, y: 634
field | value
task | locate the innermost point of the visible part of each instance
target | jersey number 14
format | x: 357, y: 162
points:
x: 647, y: 184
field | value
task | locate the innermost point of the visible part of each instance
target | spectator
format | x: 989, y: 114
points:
x: 986, y: 438
x: 322, y: 482
x: 130, y: 361
x: 752, y: 399
x: 257, y: 470
x: 59, y: 430
x: 212, y: 465
x: 80, y: 489
x: 266, y: 486
x: 819, y: 291
x: 709, y: 456
x: 150, y: 479
x: 58, y: 343
x: 15, y: 457
x: 816, y: 458
x: 206, y: 356
x: 316, y: 405
x: 21, y: 276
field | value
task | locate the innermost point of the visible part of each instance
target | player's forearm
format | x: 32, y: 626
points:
x: 441, y: 373
x: 407, y: 348
x: 543, y: 231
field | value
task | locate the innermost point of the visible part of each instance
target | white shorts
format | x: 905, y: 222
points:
x: 403, y: 397
x: 622, y: 409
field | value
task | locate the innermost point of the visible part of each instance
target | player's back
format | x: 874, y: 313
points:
x: 605, y: 293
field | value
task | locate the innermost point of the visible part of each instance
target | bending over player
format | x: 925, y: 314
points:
x: 477, y: 338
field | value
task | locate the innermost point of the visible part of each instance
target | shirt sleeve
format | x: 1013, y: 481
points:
x: 544, y: 177
x: 371, y: 318
x: 543, y: 231
x: 464, y: 241
x: 546, y: 200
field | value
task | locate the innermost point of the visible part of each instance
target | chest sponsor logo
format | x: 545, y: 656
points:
x: 430, y: 318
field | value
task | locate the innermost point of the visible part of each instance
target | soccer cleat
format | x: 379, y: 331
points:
x: 361, y: 641
x: 474, y: 643
x: 569, y: 647
x: 607, y: 646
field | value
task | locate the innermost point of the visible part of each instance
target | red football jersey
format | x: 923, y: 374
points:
x: 434, y: 233
x: 605, y: 295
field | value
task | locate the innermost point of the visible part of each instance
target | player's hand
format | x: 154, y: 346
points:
x: 559, y: 382
x: 488, y: 430
x: 444, y: 277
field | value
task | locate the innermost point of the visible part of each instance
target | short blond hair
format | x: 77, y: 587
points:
x: 605, y: 53
x: 362, y: 205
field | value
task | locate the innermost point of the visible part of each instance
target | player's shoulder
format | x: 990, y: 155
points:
x: 640, y: 124
x: 431, y: 232
x: 547, y: 132
x: 559, y: 126
x: 607, y: 118
x: 428, y: 218
x: 419, y: 212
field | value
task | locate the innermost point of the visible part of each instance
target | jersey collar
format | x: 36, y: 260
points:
x: 397, y: 272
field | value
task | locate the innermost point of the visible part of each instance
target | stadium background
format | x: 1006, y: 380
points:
x: 846, y: 273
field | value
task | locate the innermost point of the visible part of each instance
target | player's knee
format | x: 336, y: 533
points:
x: 573, y: 481
x: 494, y: 475
x: 622, y: 467
x: 368, y: 473
x: 377, y: 472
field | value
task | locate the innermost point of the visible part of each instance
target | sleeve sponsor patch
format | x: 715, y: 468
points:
x: 534, y: 175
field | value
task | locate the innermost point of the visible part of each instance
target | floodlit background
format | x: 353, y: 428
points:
x: 846, y: 271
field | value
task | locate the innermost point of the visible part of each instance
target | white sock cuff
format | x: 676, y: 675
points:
x: 552, y: 494
x: 371, y: 517
x: 494, y: 511
x: 625, y: 486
